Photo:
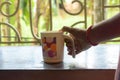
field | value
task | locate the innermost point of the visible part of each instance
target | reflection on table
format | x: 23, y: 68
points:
x: 30, y: 57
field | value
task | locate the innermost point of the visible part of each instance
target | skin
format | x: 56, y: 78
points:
x: 103, y: 31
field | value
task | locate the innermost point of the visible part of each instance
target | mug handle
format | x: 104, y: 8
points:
x: 73, y: 44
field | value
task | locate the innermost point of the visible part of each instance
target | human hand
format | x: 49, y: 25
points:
x: 79, y: 37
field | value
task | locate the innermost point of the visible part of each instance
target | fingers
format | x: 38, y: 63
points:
x: 70, y: 47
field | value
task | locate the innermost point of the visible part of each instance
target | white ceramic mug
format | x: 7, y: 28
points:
x: 53, y: 46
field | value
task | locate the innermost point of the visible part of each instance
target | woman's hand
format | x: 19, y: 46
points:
x: 79, y: 37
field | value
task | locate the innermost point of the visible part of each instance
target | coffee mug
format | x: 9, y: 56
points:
x: 53, y: 46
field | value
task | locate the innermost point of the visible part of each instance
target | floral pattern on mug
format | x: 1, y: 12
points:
x: 49, y: 47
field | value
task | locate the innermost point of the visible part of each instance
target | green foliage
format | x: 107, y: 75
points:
x: 25, y: 10
x: 113, y: 2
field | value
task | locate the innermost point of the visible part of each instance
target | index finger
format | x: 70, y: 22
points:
x: 68, y: 29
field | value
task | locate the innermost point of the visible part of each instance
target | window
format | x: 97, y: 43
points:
x: 21, y: 21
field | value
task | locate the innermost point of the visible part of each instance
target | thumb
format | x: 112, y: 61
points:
x: 68, y: 29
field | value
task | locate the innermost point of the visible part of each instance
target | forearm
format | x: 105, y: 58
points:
x: 105, y: 30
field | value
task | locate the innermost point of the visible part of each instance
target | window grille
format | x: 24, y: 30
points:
x: 15, y: 28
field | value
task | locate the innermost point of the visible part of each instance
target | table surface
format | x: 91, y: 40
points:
x: 30, y: 57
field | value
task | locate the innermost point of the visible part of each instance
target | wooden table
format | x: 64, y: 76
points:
x: 26, y: 63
